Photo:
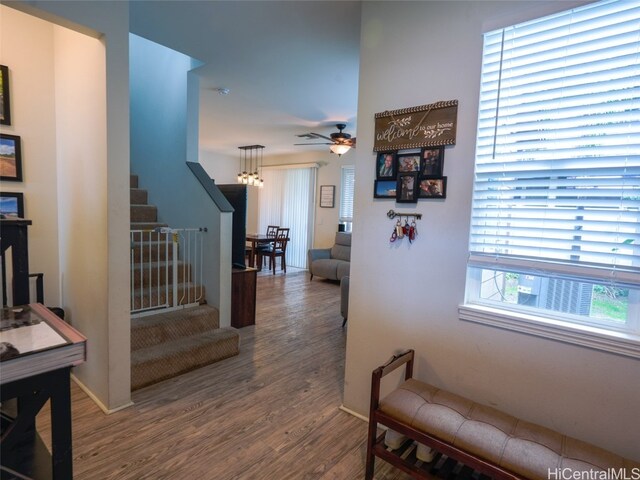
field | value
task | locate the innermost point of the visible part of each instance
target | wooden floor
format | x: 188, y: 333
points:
x: 270, y: 413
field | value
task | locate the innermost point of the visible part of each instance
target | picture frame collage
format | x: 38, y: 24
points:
x: 11, y: 203
x: 408, y: 176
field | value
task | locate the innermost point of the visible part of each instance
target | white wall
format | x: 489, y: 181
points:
x: 26, y: 47
x: 225, y: 170
x: 95, y: 143
x: 413, y: 53
x: 81, y: 157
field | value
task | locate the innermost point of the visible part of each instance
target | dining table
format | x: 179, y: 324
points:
x: 256, y: 239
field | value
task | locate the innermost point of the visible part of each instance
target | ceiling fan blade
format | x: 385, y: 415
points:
x: 321, y: 143
x: 317, y: 135
x: 313, y: 135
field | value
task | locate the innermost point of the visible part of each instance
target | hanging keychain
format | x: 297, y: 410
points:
x: 397, y: 232
x: 394, y: 235
x: 399, y: 229
x: 413, y: 231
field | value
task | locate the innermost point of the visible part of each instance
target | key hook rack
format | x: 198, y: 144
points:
x: 407, y: 230
x: 394, y: 214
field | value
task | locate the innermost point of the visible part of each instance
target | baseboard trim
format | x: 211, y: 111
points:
x: 355, y: 414
x: 96, y: 400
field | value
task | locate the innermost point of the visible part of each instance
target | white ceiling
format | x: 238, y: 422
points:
x: 291, y: 66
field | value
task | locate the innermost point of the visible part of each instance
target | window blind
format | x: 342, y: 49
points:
x: 557, y: 178
x: 347, y: 193
x: 287, y: 199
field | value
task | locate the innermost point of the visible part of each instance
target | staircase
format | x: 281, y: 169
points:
x: 169, y: 343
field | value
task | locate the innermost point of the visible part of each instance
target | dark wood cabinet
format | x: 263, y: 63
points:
x: 243, y: 297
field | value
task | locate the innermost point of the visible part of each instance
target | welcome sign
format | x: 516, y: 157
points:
x: 424, y: 126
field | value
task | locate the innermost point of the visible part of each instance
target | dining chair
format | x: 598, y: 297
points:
x: 272, y: 230
x: 263, y: 249
x: 278, y: 248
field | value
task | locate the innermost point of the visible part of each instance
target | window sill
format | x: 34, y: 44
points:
x: 586, y: 336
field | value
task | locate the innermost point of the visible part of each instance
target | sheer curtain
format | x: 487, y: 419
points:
x: 287, y: 200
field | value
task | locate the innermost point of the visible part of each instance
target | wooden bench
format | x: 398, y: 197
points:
x: 480, y: 437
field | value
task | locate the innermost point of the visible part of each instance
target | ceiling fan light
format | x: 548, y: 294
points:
x: 339, y: 149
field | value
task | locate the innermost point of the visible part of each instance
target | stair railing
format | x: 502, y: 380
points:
x: 166, y: 269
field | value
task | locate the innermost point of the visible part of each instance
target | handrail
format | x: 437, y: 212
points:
x: 210, y: 187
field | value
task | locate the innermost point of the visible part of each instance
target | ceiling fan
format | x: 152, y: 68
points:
x: 340, y: 142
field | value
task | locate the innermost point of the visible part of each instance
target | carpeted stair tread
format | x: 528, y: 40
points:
x: 146, y: 225
x: 155, y: 329
x: 160, y: 362
x: 143, y: 213
x: 138, y: 196
x: 194, y: 293
x: 154, y: 273
x: 142, y: 252
x: 181, y: 345
x: 133, y: 181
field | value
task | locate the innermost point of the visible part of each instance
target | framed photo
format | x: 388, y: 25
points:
x: 384, y: 188
x: 407, y: 187
x: 432, y: 162
x: 5, y: 101
x: 386, y: 165
x: 433, y: 188
x: 408, y: 162
x: 10, y: 158
x: 11, y: 205
x: 327, y: 195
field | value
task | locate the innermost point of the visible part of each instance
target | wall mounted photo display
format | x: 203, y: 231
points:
x: 5, y: 100
x: 408, y: 162
x: 12, y: 205
x: 384, y: 188
x: 407, y: 187
x: 327, y: 195
x: 433, y: 188
x: 10, y: 158
x: 386, y: 167
x: 432, y: 162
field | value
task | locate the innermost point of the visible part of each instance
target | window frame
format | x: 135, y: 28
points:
x: 555, y: 325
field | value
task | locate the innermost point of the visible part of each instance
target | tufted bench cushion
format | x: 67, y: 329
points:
x: 521, y: 447
x: 498, y: 444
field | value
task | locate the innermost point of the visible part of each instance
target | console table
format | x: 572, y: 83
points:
x: 29, y: 380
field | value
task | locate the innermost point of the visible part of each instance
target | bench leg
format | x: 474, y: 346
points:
x: 370, y: 459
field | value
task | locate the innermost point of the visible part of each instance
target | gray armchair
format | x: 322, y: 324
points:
x: 331, y: 263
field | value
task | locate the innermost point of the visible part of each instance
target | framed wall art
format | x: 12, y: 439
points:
x: 406, y: 188
x: 433, y: 188
x: 384, y: 188
x: 12, y: 205
x: 386, y: 166
x: 10, y: 158
x: 432, y: 162
x: 5, y: 100
x: 327, y: 195
x: 408, y: 162
x: 415, y: 127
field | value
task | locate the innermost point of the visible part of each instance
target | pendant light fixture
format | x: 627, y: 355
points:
x: 251, y: 175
